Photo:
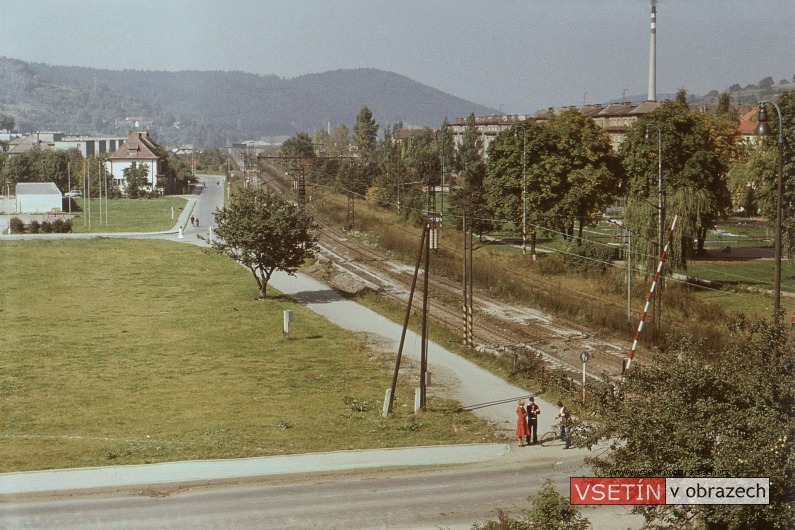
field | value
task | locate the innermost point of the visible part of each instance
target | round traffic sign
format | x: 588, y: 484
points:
x: 584, y: 356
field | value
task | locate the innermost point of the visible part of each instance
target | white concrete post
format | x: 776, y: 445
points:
x: 288, y: 317
x: 385, y: 410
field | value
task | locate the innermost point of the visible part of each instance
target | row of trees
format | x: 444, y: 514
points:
x: 560, y: 174
x: 682, y: 413
x: 69, y: 169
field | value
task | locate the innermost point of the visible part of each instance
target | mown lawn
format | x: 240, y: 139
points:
x: 121, y: 352
x: 746, y: 284
x: 126, y: 215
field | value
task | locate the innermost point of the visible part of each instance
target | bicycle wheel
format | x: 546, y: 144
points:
x: 548, y: 438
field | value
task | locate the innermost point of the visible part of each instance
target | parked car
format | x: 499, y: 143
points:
x: 73, y: 193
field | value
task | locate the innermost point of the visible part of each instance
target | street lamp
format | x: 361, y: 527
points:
x: 763, y: 129
x: 524, y: 188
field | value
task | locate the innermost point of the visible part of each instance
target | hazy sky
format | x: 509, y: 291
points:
x: 514, y: 55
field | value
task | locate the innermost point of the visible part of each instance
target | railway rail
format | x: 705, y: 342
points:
x: 499, y: 327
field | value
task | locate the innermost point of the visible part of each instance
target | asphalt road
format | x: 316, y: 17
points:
x: 448, y: 497
x: 439, y: 498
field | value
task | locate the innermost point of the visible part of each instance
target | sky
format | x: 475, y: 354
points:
x: 516, y: 56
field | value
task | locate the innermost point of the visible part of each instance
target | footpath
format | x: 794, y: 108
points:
x: 485, y: 394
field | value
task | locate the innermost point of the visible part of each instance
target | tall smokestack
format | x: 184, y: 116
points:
x: 652, y: 96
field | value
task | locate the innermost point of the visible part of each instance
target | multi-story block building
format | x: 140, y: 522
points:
x: 615, y: 119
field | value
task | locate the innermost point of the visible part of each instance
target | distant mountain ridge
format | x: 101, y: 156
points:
x: 212, y: 107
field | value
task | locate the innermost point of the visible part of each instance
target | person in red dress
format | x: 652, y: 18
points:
x: 521, y: 423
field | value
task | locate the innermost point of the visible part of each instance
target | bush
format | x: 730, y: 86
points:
x: 17, y: 226
x: 35, y: 227
x: 62, y: 226
x: 588, y: 256
x: 550, y: 511
x: 551, y: 265
x: 46, y: 227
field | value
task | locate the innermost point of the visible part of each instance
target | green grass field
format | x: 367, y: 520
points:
x: 124, y: 351
x: 127, y: 215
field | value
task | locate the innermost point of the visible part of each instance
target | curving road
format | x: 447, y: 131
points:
x: 441, y: 498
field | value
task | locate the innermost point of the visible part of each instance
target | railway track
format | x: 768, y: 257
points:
x: 499, y: 327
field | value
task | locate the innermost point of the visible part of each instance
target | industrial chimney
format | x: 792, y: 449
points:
x: 652, y: 96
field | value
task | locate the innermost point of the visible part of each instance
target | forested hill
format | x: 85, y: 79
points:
x: 214, y: 108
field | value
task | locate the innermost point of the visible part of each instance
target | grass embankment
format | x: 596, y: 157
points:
x: 127, y: 215
x: 549, y: 284
x: 122, y: 352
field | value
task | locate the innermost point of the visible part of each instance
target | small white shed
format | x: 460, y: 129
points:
x: 38, y: 197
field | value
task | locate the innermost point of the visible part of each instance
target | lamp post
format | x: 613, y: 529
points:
x: 524, y: 188
x: 763, y: 129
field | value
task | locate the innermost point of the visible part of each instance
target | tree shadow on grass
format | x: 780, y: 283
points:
x: 324, y: 296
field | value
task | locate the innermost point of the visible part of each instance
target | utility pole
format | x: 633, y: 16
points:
x: 431, y: 243
x: 425, y: 234
x: 524, y: 189
x: 69, y: 182
x: 100, y: 193
x: 469, y: 340
x: 424, y: 346
x: 629, y: 276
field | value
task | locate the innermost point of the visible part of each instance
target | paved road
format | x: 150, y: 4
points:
x: 510, y: 475
x: 392, y: 498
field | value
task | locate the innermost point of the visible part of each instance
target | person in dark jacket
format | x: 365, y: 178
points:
x: 532, y: 421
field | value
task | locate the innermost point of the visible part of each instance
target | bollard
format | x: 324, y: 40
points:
x: 417, y: 399
x: 385, y: 410
x: 288, y: 317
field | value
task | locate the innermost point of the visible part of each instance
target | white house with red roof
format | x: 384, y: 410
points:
x: 139, y: 149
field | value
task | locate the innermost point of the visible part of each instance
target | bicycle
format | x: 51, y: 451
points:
x: 550, y: 437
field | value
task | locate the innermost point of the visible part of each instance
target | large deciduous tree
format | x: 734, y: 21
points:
x: 585, y: 168
x: 265, y: 234
x: 683, y: 413
x: 506, y: 176
x: 694, y: 179
x: 786, y: 103
x: 299, y: 145
x: 569, y: 169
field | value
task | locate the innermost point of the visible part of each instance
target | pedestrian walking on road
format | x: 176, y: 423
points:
x: 521, y: 423
x: 532, y: 421
x: 197, y: 221
x: 792, y: 322
x: 191, y: 220
x: 565, y: 423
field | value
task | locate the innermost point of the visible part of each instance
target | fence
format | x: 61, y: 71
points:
x: 527, y: 363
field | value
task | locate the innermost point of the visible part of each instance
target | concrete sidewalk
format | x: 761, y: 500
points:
x: 477, y: 389
x: 204, y: 472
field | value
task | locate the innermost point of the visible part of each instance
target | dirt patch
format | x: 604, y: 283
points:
x: 326, y: 272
